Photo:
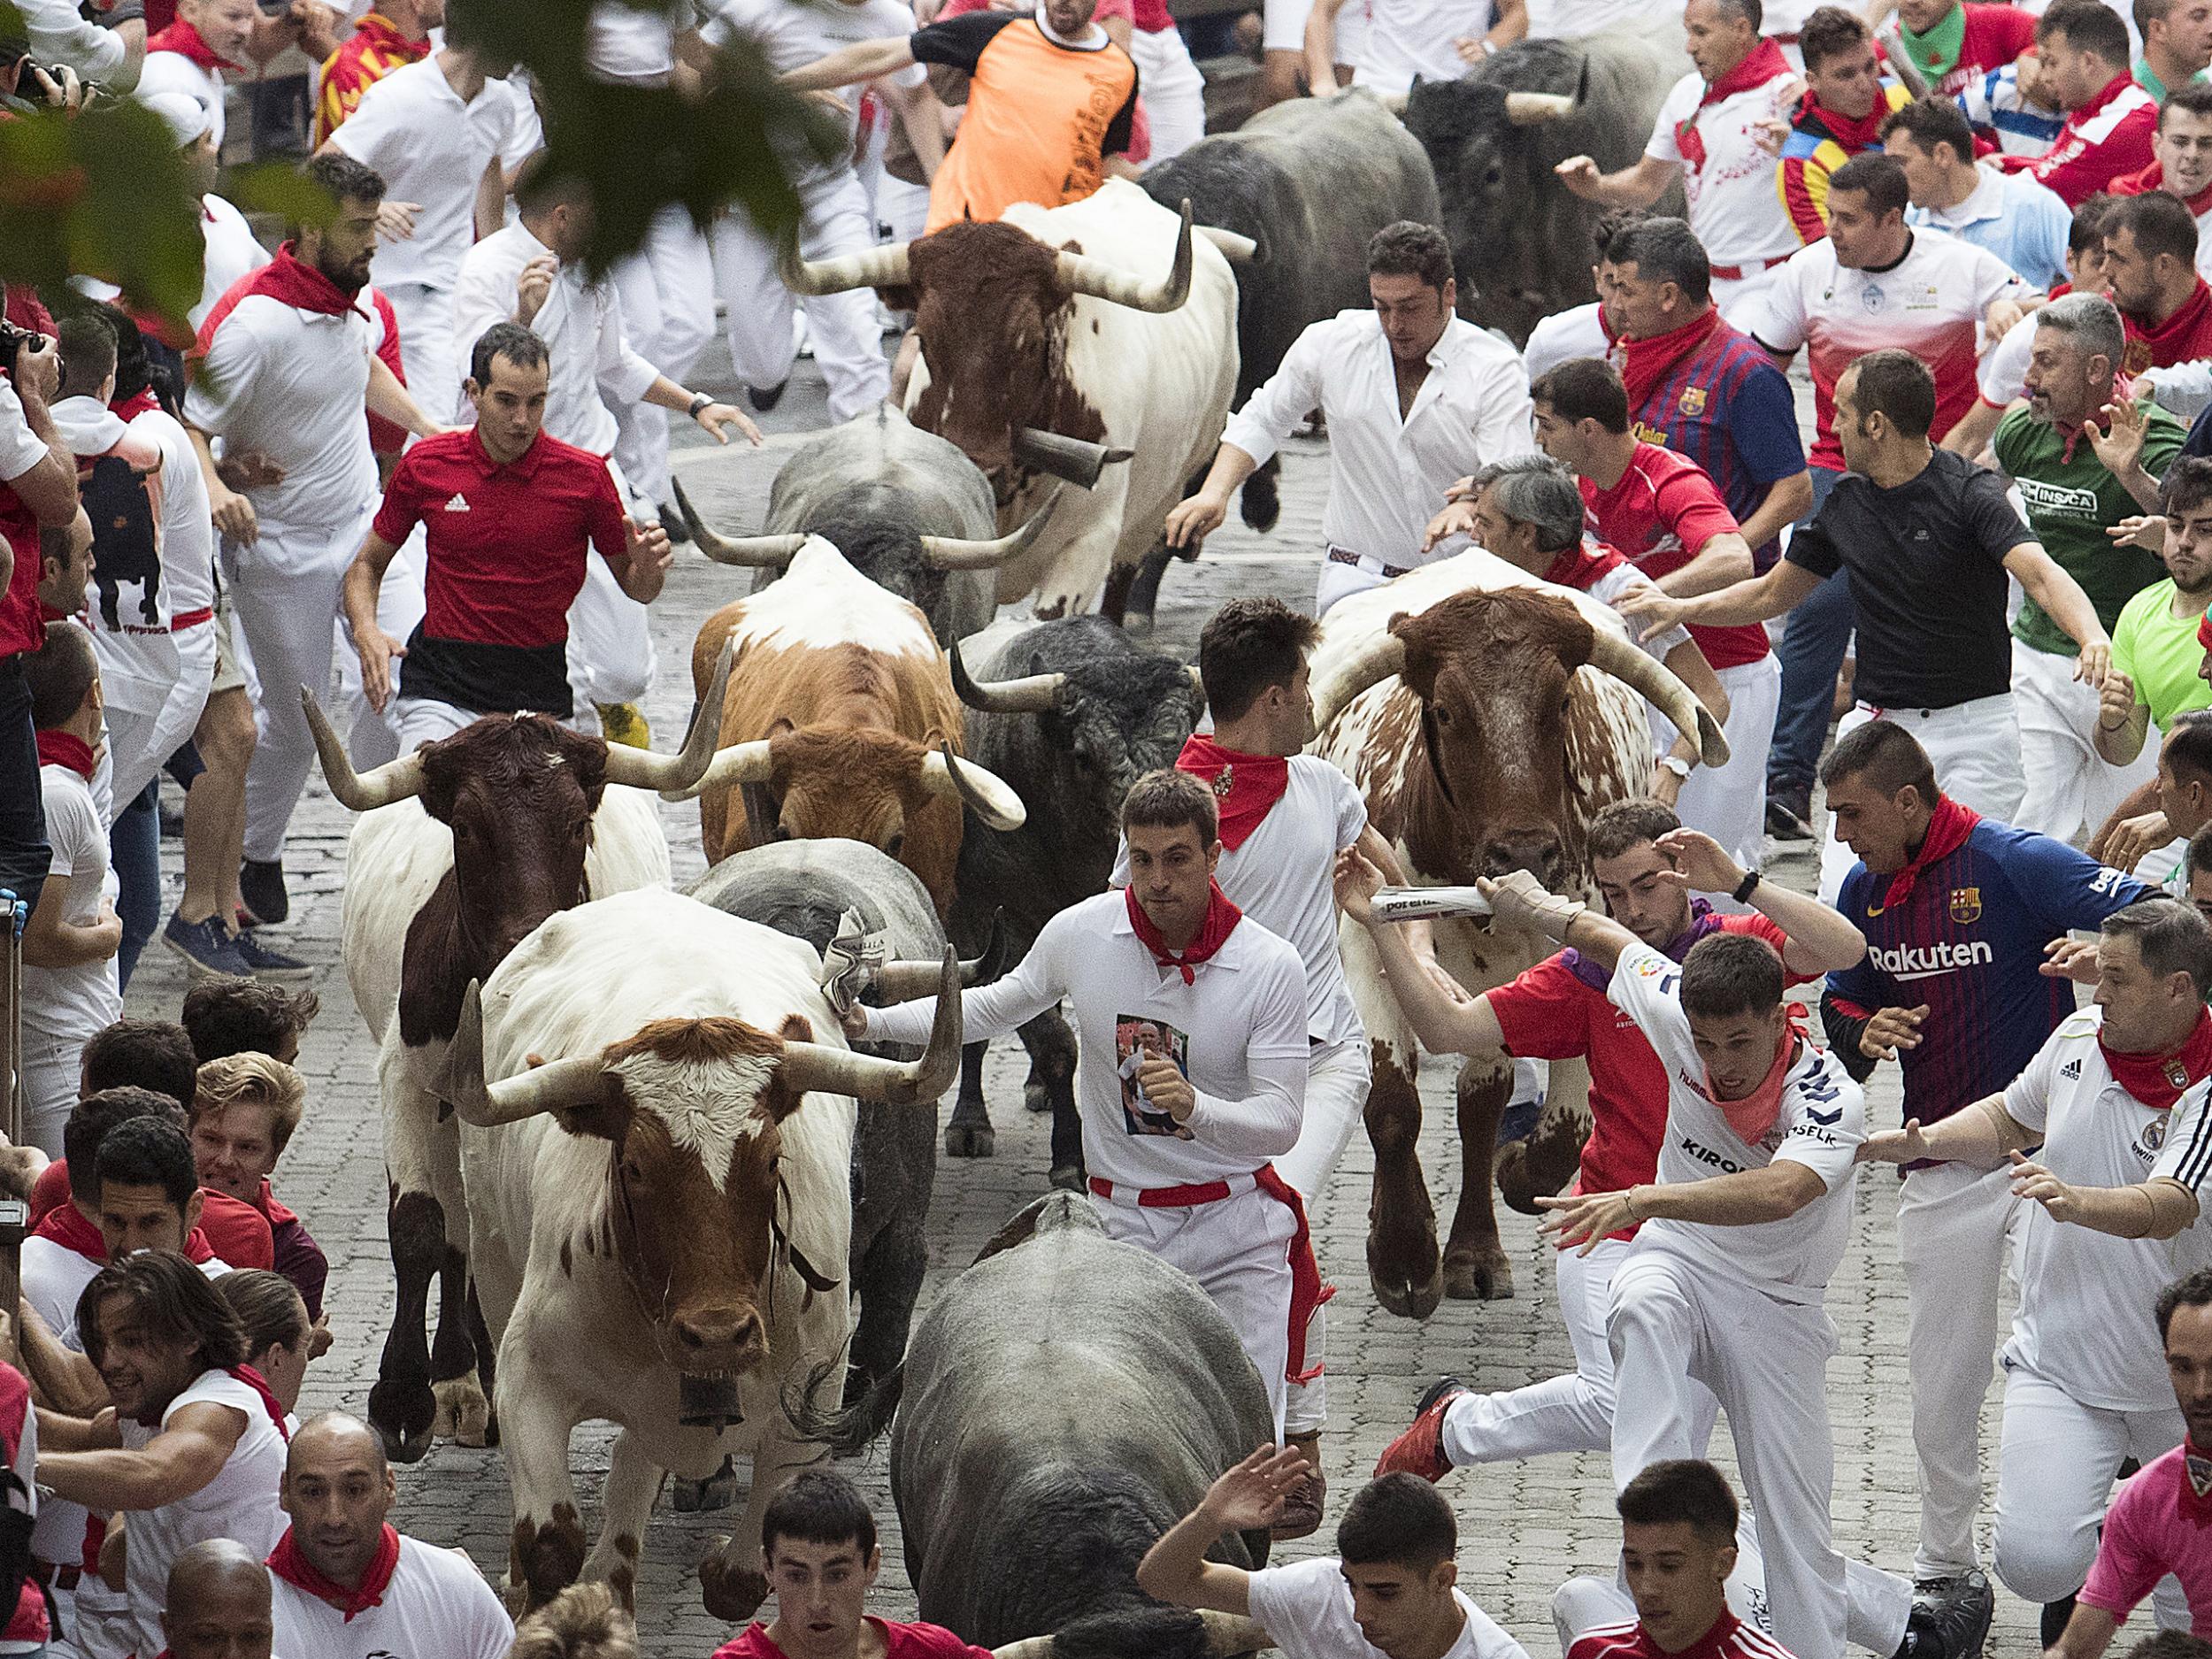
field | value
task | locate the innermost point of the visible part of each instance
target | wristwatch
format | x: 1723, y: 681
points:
x: 699, y: 400
x: 1744, y: 888
x: 1676, y: 765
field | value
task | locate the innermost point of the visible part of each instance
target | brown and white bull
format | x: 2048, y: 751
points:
x: 1485, y: 716
x: 840, y: 719
x: 1094, y: 343
x: 660, y: 1212
x: 462, y: 848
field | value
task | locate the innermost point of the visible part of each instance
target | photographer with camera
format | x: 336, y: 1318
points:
x: 59, y: 38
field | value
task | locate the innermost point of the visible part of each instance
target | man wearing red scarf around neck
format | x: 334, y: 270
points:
x: 190, y: 54
x: 2150, y: 250
x: 1961, y: 914
x: 2115, y: 1103
x: 348, y: 1583
x: 1189, y: 1177
x: 2083, y: 46
x: 1841, y: 116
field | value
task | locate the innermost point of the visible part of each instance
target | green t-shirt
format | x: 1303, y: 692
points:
x: 2070, y: 505
x: 2160, y: 652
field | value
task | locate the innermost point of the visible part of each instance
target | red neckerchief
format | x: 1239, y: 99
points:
x: 2204, y: 630
x: 128, y: 409
x: 265, y: 1202
x: 1761, y: 64
x: 2196, y: 1485
x: 290, y: 1563
x: 65, y: 1225
x: 1855, y: 134
x: 1645, y: 362
x: 1948, y: 826
x: 2173, y: 341
x: 1246, y: 787
x: 187, y: 42
x: 1582, y: 564
x: 2156, y: 1080
x: 289, y: 282
x: 58, y: 748
x: 1221, y: 919
x: 1755, y: 1114
x: 269, y: 1403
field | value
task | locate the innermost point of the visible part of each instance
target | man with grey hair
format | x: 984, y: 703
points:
x: 217, y: 1605
x: 2083, y: 459
x: 1528, y: 510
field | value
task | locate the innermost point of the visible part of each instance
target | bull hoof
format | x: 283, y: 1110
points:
x: 1515, y: 1185
x: 1067, y: 1177
x: 717, y: 1491
x: 731, y: 1593
x: 403, y: 1416
x: 463, y: 1413
x: 969, y: 1141
x: 1036, y: 1097
x: 1481, y: 1275
x: 1402, y: 1293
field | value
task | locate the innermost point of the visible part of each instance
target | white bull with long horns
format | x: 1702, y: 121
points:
x: 1094, y: 344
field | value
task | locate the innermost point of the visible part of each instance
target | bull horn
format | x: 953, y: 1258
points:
x: 1646, y: 674
x: 1197, y: 680
x: 1227, y: 1634
x: 398, y: 780
x: 985, y: 793
x: 1078, y: 462
x: 1235, y: 249
x: 959, y: 553
x: 641, y: 769
x: 812, y: 1065
x: 573, y: 1082
x: 1394, y: 101
x: 1533, y: 108
x: 875, y: 268
x: 1080, y: 273
x: 1374, y: 663
x: 1032, y: 693
x: 740, y: 763
x: 1027, y: 1647
x: 900, y: 980
x: 755, y: 552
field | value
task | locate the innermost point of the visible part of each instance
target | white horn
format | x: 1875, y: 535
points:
x: 876, y: 268
x: 1032, y: 693
x: 754, y: 552
x: 740, y: 763
x: 1644, y: 673
x: 1081, y: 275
x: 363, y: 792
x: 1235, y: 249
x: 959, y: 553
x: 576, y: 1082
x: 1227, y: 1634
x: 985, y: 793
x: 1027, y: 1647
x: 641, y: 769
x: 809, y: 1065
x: 1533, y: 108
x: 1375, y: 662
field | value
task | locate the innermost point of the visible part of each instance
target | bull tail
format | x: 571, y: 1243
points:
x: 864, y: 1412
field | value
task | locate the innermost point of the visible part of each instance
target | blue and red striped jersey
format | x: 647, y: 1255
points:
x: 1728, y: 408
x: 1968, y: 942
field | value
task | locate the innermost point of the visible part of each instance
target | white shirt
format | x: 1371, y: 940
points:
x: 1240, y: 1027
x: 59, y: 33
x: 1821, y: 1121
x: 1407, y: 38
x: 240, y: 1503
x: 174, y: 71
x: 73, y: 1002
x: 1576, y: 19
x: 21, y: 448
x: 1306, y: 1608
x: 431, y: 149
x: 436, y: 1607
x: 294, y: 384
x: 1280, y: 875
x: 1387, y: 476
x: 1564, y: 335
x: 2003, y: 374
x: 1734, y: 207
x: 790, y: 36
x: 229, y: 250
x: 623, y: 44
x: 2086, y: 1299
x: 588, y: 361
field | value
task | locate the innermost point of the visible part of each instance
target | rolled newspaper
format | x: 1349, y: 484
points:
x: 1415, y: 904
x: 850, y: 964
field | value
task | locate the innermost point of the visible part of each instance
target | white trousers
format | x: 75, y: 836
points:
x: 1729, y: 803
x: 1671, y: 1325
x: 610, y: 655
x: 667, y: 294
x: 1740, y: 298
x: 2055, y: 1472
x: 436, y: 363
x: 2072, y: 789
x: 1974, y: 748
x: 1174, y: 91
x: 51, y: 1069
x: 834, y: 219
x: 419, y: 720
x: 1336, y: 1096
x: 1236, y: 1249
x: 139, y: 741
x: 1953, y: 1224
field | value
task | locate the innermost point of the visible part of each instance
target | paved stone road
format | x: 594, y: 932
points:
x: 1525, y: 1528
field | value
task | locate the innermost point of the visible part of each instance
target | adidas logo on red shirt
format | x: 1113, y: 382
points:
x: 459, y: 504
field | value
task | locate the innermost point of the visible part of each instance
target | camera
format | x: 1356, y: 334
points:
x: 13, y: 343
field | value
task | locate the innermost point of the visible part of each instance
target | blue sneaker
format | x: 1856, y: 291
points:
x: 208, y: 951
x: 266, y: 963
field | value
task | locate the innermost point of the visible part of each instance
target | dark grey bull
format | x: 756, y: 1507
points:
x: 905, y: 507
x: 1065, y: 1401
x: 1520, y: 239
x: 1070, y: 713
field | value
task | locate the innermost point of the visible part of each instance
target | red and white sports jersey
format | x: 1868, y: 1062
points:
x: 1729, y: 1638
x: 1929, y: 303
x: 1659, y: 512
x: 2107, y: 139
x: 1727, y: 172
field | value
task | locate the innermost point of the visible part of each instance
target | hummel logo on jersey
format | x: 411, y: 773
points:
x: 459, y: 504
x: 2072, y: 1069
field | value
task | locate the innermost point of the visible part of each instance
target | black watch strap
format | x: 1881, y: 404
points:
x: 1745, y: 889
x: 699, y: 400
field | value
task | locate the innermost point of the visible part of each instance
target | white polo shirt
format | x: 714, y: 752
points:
x: 1729, y: 180
x: 174, y: 71
x: 1306, y: 1608
x: 623, y: 44
x: 1387, y: 476
x: 2086, y: 1299
x: 1820, y: 1124
x: 436, y: 1607
x: 71, y: 1004
x: 431, y: 149
x: 229, y: 250
x: 1239, y: 1026
x: 1407, y: 38
x: 293, y: 384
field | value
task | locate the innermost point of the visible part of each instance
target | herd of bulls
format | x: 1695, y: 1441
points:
x: 624, y: 1133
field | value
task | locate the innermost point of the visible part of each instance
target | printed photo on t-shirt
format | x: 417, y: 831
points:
x: 1137, y: 1040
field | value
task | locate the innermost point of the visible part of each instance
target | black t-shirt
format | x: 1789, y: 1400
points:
x: 1927, y: 578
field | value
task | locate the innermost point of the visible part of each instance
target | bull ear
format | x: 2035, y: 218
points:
x: 1418, y: 671
x: 608, y: 1115
x: 796, y: 1028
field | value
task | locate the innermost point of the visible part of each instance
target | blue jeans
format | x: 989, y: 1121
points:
x: 1812, y: 650
x: 134, y: 847
x: 24, y: 854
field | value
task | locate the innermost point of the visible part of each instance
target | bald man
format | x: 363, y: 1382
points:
x: 348, y: 1585
x: 217, y: 1603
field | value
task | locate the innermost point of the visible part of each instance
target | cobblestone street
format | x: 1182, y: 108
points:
x: 1524, y: 1528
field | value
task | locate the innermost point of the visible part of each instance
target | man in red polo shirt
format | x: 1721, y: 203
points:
x: 1658, y: 508
x: 2150, y: 254
x: 511, y: 514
